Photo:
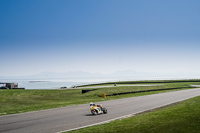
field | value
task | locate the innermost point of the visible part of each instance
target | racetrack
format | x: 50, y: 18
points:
x: 63, y: 119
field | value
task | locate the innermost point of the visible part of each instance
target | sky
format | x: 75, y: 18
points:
x: 99, y: 36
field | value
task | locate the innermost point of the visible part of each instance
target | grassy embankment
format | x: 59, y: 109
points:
x: 17, y: 101
x: 181, y: 117
x: 148, y: 82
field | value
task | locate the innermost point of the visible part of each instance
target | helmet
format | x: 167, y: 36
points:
x: 91, y: 104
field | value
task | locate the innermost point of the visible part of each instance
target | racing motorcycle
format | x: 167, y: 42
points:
x: 97, y: 109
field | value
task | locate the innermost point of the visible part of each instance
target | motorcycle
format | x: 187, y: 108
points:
x: 98, y: 109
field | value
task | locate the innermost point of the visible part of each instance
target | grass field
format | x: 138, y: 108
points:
x: 17, y: 101
x: 182, y: 117
x: 149, y: 82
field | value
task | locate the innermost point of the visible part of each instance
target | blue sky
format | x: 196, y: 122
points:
x: 99, y: 36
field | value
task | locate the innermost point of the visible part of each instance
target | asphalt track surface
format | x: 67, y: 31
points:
x: 67, y: 118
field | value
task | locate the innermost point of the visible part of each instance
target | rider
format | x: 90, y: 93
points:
x: 92, y: 104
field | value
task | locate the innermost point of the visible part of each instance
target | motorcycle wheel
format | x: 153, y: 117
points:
x: 94, y: 112
x: 104, y: 110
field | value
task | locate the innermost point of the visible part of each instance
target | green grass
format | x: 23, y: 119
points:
x: 183, y: 117
x: 17, y: 101
x: 192, y: 81
x: 120, y: 89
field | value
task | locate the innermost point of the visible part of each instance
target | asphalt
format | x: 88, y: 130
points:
x: 73, y: 117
